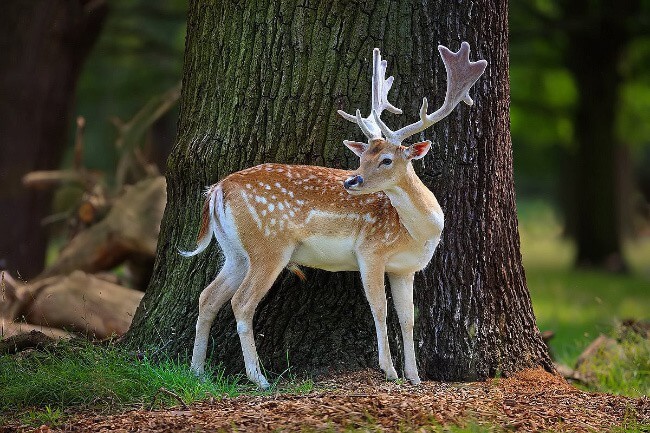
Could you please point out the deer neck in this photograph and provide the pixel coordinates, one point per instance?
(417, 207)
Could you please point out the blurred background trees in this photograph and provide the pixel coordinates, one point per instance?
(580, 111)
(43, 44)
(49, 73)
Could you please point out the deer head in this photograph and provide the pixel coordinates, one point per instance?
(384, 160)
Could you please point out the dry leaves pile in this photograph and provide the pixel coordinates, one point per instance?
(531, 401)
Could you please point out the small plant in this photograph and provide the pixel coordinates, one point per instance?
(48, 416)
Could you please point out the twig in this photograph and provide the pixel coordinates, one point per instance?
(169, 393)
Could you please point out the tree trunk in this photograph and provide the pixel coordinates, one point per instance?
(262, 84)
(43, 45)
(596, 41)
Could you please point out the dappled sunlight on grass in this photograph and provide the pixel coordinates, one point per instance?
(578, 304)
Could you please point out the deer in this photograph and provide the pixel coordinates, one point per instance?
(379, 219)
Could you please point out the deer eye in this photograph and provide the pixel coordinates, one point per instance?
(386, 161)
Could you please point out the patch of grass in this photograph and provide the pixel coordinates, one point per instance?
(82, 375)
(577, 304)
(622, 369)
(580, 305)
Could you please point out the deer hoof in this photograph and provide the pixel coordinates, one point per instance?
(414, 380)
(391, 374)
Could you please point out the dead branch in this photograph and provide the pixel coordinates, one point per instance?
(131, 134)
(130, 229)
(172, 394)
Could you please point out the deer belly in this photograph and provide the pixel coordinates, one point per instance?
(328, 253)
(413, 259)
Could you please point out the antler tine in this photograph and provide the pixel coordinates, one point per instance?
(461, 76)
(379, 99)
(391, 135)
(364, 126)
(381, 86)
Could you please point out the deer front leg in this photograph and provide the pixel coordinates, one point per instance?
(372, 276)
(401, 287)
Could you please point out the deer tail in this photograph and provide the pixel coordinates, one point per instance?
(214, 200)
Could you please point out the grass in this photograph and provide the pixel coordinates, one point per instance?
(623, 369)
(40, 385)
(578, 304)
(83, 375)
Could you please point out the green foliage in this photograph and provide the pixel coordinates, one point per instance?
(544, 93)
(84, 375)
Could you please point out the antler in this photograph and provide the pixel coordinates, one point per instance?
(461, 76)
(380, 88)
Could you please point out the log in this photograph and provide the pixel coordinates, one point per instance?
(129, 230)
(84, 304)
(19, 332)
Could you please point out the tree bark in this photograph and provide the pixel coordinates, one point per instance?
(43, 45)
(262, 83)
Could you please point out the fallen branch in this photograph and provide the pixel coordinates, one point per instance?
(172, 394)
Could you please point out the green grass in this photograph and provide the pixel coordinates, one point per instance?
(624, 369)
(79, 374)
(37, 387)
(48, 416)
(577, 304)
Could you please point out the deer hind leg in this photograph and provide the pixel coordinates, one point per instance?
(259, 279)
(212, 298)
(373, 285)
(401, 287)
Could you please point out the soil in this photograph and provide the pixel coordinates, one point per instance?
(530, 401)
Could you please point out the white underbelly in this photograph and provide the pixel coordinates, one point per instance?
(413, 259)
(328, 253)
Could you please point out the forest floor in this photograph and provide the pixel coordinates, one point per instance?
(532, 400)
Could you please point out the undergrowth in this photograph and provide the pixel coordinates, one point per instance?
(37, 386)
(623, 368)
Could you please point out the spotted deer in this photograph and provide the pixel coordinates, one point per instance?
(379, 219)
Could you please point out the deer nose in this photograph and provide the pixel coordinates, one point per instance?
(353, 181)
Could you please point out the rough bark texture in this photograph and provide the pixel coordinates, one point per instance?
(261, 84)
(43, 45)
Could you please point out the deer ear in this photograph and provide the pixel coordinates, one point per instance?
(418, 150)
(356, 147)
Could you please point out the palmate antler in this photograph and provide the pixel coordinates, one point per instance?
(380, 88)
(461, 76)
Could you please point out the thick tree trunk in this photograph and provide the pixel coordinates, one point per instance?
(263, 83)
(43, 45)
(597, 40)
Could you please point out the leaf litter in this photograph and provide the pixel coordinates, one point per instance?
(530, 401)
